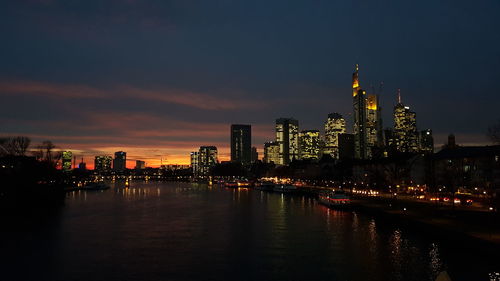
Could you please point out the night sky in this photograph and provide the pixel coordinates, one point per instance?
(160, 78)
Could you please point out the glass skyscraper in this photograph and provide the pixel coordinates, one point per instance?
(287, 137)
(241, 144)
(334, 126)
(309, 144)
(120, 161)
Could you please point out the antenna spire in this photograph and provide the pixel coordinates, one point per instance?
(399, 95)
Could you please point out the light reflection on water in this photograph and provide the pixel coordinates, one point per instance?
(395, 246)
(435, 263)
(372, 231)
(182, 231)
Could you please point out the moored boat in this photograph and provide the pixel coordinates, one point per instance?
(95, 186)
(335, 199)
(231, 184)
(284, 188)
(236, 184)
(265, 186)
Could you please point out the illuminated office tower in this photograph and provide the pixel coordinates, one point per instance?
(334, 126)
(426, 141)
(359, 126)
(373, 124)
(271, 152)
(102, 163)
(120, 161)
(67, 156)
(207, 159)
(309, 144)
(241, 144)
(405, 135)
(287, 136)
(194, 162)
(367, 120)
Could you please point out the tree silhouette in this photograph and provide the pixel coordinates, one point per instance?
(45, 153)
(14, 146)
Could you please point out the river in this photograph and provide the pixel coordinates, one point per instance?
(185, 231)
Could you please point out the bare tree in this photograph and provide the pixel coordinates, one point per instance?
(494, 132)
(14, 146)
(21, 145)
(3, 149)
(398, 168)
(45, 152)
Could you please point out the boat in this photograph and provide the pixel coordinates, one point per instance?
(237, 183)
(285, 188)
(265, 186)
(243, 183)
(232, 184)
(336, 199)
(95, 186)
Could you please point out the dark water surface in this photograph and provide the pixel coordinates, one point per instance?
(182, 231)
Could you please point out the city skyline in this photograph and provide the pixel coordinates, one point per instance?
(250, 140)
(91, 89)
(225, 156)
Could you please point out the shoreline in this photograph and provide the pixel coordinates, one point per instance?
(456, 226)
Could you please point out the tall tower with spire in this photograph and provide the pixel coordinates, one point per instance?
(359, 104)
(367, 120)
(355, 81)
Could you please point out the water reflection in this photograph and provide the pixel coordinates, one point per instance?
(435, 263)
(372, 232)
(183, 231)
(395, 243)
(355, 222)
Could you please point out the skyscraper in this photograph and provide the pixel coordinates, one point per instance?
(346, 146)
(405, 135)
(309, 144)
(287, 136)
(334, 125)
(67, 156)
(102, 163)
(426, 141)
(271, 152)
(207, 159)
(255, 154)
(120, 161)
(359, 128)
(241, 143)
(367, 120)
(195, 162)
(140, 165)
(373, 124)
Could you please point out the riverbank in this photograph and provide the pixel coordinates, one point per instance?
(479, 226)
(457, 221)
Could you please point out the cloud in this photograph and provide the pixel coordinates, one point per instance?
(162, 95)
(187, 98)
(51, 90)
(139, 134)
